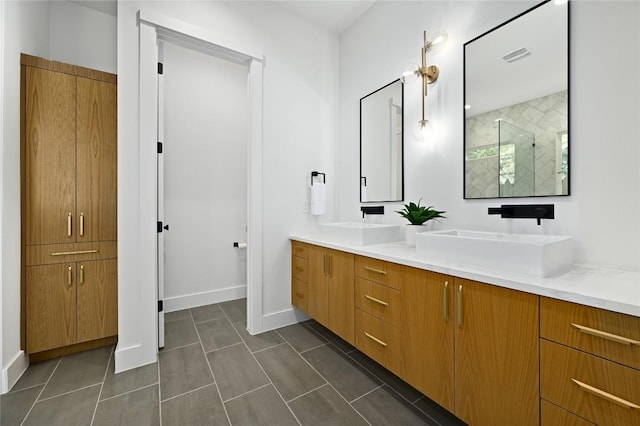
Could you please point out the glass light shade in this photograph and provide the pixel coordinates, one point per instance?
(423, 130)
(438, 40)
(411, 74)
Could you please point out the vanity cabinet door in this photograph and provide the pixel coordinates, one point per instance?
(341, 294)
(317, 286)
(496, 355)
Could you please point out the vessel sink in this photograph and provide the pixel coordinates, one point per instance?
(360, 234)
(537, 255)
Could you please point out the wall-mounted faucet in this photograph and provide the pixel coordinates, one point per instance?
(371, 210)
(524, 211)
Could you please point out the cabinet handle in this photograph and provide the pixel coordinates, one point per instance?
(445, 302)
(325, 264)
(460, 314)
(82, 274)
(605, 395)
(69, 223)
(81, 224)
(376, 300)
(69, 277)
(377, 271)
(330, 265)
(605, 335)
(68, 253)
(380, 342)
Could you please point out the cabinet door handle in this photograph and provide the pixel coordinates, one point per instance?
(460, 314)
(605, 395)
(69, 223)
(376, 271)
(445, 302)
(605, 335)
(325, 264)
(69, 277)
(81, 274)
(378, 341)
(330, 264)
(81, 224)
(376, 300)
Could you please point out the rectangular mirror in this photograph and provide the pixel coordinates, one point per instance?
(381, 144)
(516, 100)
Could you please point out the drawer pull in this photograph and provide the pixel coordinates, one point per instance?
(375, 339)
(68, 253)
(605, 335)
(605, 395)
(376, 300)
(377, 271)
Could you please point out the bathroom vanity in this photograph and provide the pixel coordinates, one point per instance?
(493, 348)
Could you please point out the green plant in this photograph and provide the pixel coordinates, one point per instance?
(417, 214)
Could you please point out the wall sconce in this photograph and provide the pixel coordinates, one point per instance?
(429, 74)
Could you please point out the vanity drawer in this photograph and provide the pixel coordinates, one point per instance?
(299, 249)
(552, 415)
(299, 294)
(604, 333)
(595, 389)
(299, 267)
(379, 271)
(379, 340)
(378, 300)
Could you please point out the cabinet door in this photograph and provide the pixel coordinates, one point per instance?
(97, 161)
(317, 288)
(427, 333)
(49, 156)
(51, 306)
(496, 355)
(341, 295)
(97, 299)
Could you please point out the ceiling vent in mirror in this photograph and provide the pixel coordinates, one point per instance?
(516, 54)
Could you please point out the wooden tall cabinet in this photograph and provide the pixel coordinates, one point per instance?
(69, 205)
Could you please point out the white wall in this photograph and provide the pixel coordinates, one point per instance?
(299, 101)
(205, 178)
(602, 212)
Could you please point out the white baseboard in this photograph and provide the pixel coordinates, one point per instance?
(194, 300)
(282, 319)
(133, 357)
(14, 371)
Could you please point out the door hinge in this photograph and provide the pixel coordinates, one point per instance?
(160, 68)
(160, 306)
(159, 226)
(160, 147)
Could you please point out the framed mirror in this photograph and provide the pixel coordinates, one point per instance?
(381, 144)
(516, 100)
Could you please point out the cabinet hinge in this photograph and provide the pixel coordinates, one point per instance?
(159, 226)
(160, 68)
(160, 147)
(160, 306)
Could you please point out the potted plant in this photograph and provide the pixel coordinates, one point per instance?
(417, 216)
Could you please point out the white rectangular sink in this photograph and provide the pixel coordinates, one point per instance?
(537, 255)
(360, 234)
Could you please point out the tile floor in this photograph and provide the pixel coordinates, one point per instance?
(212, 372)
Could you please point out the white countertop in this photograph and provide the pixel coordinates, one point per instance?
(601, 287)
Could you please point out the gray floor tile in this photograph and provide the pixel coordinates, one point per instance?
(127, 381)
(206, 313)
(200, 407)
(236, 371)
(138, 408)
(236, 310)
(437, 413)
(261, 407)
(77, 371)
(390, 379)
(290, 374)
(178, 333)
(344, 374)
(325, 406)
(385, 407)
(75, 408)
(331, 337)
(14, 406)
(182, 370)
(37, 374)
(300, 337)
(259, 341)
(177, 315)
(216, 334)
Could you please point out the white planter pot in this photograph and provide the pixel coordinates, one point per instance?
(410, 233)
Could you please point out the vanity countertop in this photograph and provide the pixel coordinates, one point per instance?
(615, 290)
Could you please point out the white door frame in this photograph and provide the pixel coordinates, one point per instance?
(155, 27)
